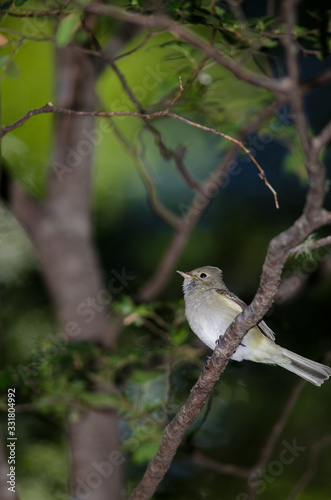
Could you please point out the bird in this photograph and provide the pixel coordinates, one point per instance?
(210, 308)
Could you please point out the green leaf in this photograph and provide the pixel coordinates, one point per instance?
(268, 42)
(145, 452)
(101, 400)
(143, 376)
(297, 30)
(293, 163)
(13, 70)
(18, 3)
(180, 336)
(125, 306)
(49, 405)
(5, 379)
(3, 60)
(67, 28)
(303, 250)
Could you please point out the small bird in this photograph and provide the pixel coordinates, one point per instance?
(210, 308)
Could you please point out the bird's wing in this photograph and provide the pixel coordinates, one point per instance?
(238, 305)
(267, 332)
(233, 302)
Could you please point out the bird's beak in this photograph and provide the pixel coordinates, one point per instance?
(185, 275)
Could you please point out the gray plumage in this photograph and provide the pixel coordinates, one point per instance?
(210, 308)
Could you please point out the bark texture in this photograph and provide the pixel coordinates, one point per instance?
(60, 229)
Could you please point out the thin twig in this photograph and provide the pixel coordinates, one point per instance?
(160, 21)
(168, 111)
(308, 247)
(314, 216)
(49, 108)
(32, 13)
(295, 92)
(26, 37)
(135, 49)
(10, 59)
(231, 139)
(167, 153)
(279, 425)
(271, 441)
(315, 170)
(177, 96)
(320, 141)
(310, 473)
(152, 196)
(191, 218)
(231, 469)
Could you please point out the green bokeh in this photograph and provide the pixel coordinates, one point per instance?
(154, 373)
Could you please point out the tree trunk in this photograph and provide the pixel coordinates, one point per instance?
(60, 229)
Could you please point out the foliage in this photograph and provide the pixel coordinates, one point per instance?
(157, 359)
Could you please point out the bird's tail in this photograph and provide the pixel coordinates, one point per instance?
(314, 372)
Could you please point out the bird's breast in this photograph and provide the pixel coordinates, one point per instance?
(208, 319)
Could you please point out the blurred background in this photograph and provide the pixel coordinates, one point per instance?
(149, 358)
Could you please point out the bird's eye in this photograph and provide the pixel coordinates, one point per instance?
(203, 275)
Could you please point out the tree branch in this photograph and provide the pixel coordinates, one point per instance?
(48, 108)
(275, 259)
(174, 432)
(313, 217)
(266, 452)
(167, 153)
(160, 21)
(235, 141)
(308, 247)
(230, 469)
(315, 170)
(166, 215)
(270, 443)
(192, 216)
(314, 454)
(31, 13)
(323, 138)
(60, 227)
